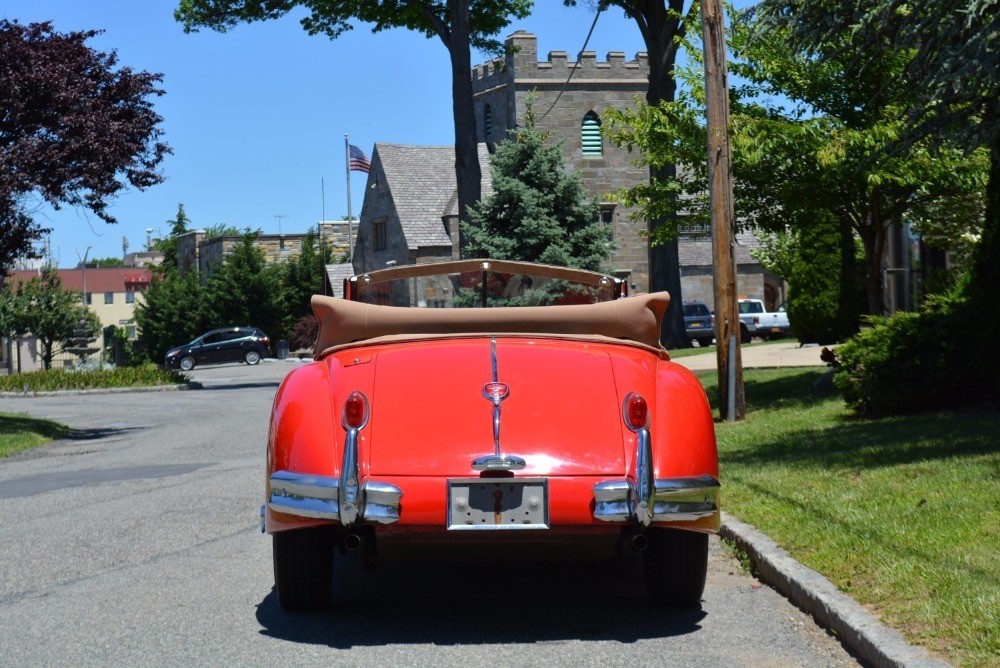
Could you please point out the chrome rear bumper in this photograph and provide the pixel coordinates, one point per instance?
(322, 497)
(672, 500)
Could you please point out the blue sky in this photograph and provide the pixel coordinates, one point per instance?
(256, 117)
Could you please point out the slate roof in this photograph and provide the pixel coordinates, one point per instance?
(336, 273)
(422, 182)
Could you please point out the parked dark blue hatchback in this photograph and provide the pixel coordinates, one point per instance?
(229, 344)
(699, 323)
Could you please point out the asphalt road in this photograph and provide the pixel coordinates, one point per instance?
(136, 542)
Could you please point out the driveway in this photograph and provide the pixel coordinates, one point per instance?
(780, 354)
(136, 542)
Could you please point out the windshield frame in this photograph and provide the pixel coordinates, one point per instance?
(617, 286)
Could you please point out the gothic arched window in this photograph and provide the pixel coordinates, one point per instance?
(590, 133)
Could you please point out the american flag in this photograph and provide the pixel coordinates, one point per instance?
(359, 161)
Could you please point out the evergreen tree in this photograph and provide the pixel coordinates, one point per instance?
(178, 226)
(245, 290)
(539, 211)
(171, 312)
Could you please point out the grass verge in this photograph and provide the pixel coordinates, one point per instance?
(49, 381)
(20, 432)
(902, 514)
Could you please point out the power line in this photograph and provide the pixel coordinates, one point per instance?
(600, 8)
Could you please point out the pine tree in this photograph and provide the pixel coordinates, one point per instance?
(539, 211)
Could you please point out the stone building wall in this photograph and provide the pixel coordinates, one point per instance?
(196, 251)
(594, 86)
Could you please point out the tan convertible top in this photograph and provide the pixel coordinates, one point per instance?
(635, 319)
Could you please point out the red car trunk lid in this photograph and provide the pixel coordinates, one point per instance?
(429, 415)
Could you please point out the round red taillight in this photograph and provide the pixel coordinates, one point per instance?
(636, 412)
(355, 411)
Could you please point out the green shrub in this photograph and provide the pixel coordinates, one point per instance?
(825, 299)
(911, 361)
(48, 381)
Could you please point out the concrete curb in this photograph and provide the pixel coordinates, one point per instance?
(104, 390)
(872, 641)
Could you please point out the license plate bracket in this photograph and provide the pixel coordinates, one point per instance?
(498, 504)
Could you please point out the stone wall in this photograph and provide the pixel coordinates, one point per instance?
(194, 251)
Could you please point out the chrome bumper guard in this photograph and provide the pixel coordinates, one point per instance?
(323, 497)
(672, 500)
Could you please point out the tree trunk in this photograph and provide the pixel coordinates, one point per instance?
(664, 259)
(873, 240)
(468, 174)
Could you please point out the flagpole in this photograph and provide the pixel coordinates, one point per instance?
(350, 219)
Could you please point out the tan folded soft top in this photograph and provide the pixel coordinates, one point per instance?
(633, 319)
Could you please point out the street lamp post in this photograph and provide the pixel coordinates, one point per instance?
(83, 263)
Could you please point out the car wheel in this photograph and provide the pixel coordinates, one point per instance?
(252, 357)
(705, 343)
(187, 363)
(744, 334)
(303, 567)
(676, 563)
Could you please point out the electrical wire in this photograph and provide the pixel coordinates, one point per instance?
(600, 8)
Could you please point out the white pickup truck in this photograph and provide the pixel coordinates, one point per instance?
(755, 320)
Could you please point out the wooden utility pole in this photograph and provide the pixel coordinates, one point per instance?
(720, 190)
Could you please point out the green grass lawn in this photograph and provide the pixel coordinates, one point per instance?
(20, 432)
(903, 514)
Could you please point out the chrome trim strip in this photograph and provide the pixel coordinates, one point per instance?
(675, 499)
(498, 462)
(644, 478)
(348, 489)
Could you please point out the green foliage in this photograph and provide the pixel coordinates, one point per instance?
(117, 338)
(538, 212)
(171, 312)
(221, 230)
(825, 302)
(304, 276)
(146, 375)
(42, 307)
(245, 290)
(107, 262)
(181, 224)
(910, 362)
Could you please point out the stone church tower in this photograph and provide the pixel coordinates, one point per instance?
(572, 112)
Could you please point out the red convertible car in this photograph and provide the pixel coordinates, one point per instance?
(490, 409)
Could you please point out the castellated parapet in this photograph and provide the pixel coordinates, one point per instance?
(561, 104)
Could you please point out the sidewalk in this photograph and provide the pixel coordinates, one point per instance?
(785, 353)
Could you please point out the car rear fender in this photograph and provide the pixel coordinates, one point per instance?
(306, 435)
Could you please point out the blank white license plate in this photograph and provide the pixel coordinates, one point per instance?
(490, 504)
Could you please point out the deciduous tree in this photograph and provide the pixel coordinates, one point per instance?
(75, 129)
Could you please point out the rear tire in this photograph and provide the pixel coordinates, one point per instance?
(745, 334)
(252, 357)
(303, 568)
(676, 563)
